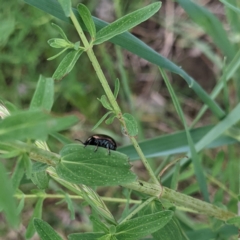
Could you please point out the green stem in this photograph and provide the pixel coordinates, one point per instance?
(196, 205)
(36, 153)
(151, 189)
(62, 196)
(109, 92)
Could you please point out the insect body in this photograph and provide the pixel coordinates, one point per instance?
(100, 140)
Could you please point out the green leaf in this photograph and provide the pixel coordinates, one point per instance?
(172, 230)
(87, 19)
(44, 94)
(117, 87)
(142, 226)
(85, 236)
(174, 143)
(127, 22)
(101, 120)
(67, 64)
(99, 224)
(96, 168)
(66, 7)
(105, 102)
(61, 32)
(41, 179)
(174, 182)
(37, 213)
(45, 231)
(7, 201)
(96, 202)
(58, 43)
(136, 46)
(32, 124)
(110, 119)
(18, 173)
(58, 54)
(234, 221)
(198, 169)
(20, 205)
(70, 206)
(61, 138)
(28, 165)
(131, 124)
(39, 167)
(210, 24)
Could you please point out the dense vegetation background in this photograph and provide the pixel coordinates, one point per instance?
(24, 31)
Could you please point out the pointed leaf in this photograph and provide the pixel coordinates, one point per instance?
(85, 236)
(44, 94)
(87, 19)
(45, 231)
(101, 120)
(127, 22)
(41, 179)
(96, 202)
(67, 64)
(101, 226)
(131, 124)
(105, 102)
(96, 168)
(110, 119)
(18, 173)
(58, 43)
(32, 124)
(61, 32)
(117, 87)
(7, 201)
(58, 54)
(142, 226)
(37, 213)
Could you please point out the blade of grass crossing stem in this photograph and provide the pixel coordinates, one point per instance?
(7, 202)
(136, 46)
(230, 70)
(194, 156)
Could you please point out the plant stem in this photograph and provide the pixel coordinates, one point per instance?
(62, 196)
(147, 188)
(109, 93)
(36, 153)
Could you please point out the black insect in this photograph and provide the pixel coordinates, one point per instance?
(100, 140)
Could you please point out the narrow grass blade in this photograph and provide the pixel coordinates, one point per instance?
(199, 172)
(210, 24)
(174, 143)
